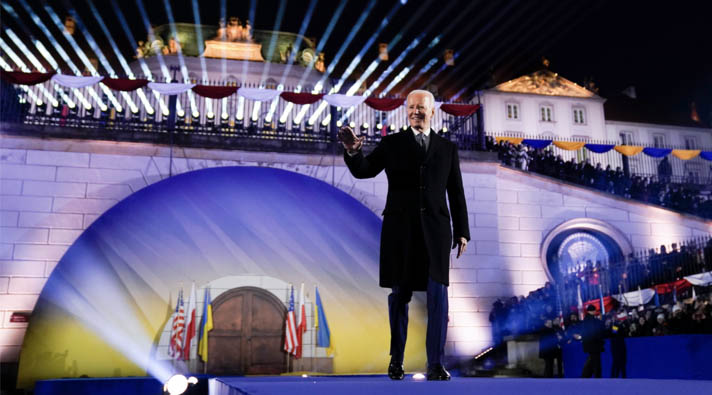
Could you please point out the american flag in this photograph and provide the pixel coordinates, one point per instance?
(175, 349)
(291, 343)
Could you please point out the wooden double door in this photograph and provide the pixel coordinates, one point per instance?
(248, 333)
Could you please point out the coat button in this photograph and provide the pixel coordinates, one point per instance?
(422, 209)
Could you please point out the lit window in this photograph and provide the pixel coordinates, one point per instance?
(658, 141)
(512, 111)
(546, 113)
(579, 116)
(690, 142)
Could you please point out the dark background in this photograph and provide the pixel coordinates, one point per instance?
(659, 47)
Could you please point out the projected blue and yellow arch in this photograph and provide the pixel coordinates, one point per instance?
(104, 305)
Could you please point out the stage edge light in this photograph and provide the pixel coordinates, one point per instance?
(177, 384)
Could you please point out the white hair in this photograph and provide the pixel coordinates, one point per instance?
(421, 91)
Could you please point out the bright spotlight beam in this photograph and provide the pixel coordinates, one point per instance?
(475, 39)
(31, 94)
(323, 40)
(102, 58)
(333, 63)
(201, 49)
(18, 61)
(273, 39)
(451, 25)
(298, 43)
(58, 23)
(60, 50)
(122, 61)
(181, 60)
(159, 55)
(144, 67)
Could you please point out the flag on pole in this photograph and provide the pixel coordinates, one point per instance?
(580, 302)
(657, 297)
(290, 331)
(190, 324)
(694, 296)
(175, 348)
(302, 319)
(600, 296)
(674, 294)
(206, 324)
(323, 335)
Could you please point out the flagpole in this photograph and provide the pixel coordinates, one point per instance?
(313, 347)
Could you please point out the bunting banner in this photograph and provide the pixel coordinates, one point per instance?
(599, 148)
(385, 104)
(636, 298)
(686, 154)
(301, 98)
(706, 155)
(569, 145)
(170, 88)
(678, 286)
(258, 94)
(124, 84)
(214, 91)
(344, 101)
(700, 279)
(22, 78)
(511, 140)
(609, 304)
(76, 81)
(537, 144)
(656, 152)
(460, 110)
(629, 150)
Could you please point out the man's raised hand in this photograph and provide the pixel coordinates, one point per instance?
(349, 139)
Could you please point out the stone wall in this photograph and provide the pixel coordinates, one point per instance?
(51, 190)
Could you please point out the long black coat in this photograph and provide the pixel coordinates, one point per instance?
(416, 207)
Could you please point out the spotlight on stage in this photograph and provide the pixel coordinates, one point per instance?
(405, 127)
(379, 126)
(392, 127)
(352, 125)
(177, 384)
(339, 124)
(364, 127)
(418, 376)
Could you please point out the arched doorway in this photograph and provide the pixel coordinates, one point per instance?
(247, 335)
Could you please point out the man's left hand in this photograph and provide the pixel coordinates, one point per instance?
(461, 246)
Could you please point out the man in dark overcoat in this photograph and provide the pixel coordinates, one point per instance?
(416, 237)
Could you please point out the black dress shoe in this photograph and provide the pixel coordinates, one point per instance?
(438, 373)
(395, 371)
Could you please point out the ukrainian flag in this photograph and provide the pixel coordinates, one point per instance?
(206, 324)
(323, 334)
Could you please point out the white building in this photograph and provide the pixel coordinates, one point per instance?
(545, 105)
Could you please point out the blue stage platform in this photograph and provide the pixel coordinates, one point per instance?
(347, 385)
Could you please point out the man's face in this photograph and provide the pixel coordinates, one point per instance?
(420, 111)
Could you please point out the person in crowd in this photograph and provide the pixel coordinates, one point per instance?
(617, 332)
(548, 346)
(592, 332)
(664, 170)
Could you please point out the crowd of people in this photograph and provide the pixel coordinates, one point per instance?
(642, 269)
(660, 190)
(538, 314)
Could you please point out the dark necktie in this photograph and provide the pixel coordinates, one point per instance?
(421, 144)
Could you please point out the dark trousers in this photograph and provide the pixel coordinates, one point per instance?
(549, 366)
(618, 365)
(592, 367)
(437, 321)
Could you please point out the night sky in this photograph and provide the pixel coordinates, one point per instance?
(660, 47)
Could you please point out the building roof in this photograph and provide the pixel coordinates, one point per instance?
(545, 82)
(625, 109)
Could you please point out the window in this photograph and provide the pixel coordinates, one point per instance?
(690, 142)
(546, 113)
(512, 111)
(626, 137)
(658, 141)
(579, 116)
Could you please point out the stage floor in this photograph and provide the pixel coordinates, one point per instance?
(380, 384)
